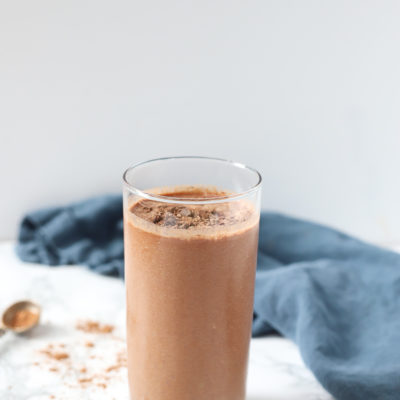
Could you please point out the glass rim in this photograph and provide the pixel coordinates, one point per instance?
(177, 200)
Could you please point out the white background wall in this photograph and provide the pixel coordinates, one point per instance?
(307, 92)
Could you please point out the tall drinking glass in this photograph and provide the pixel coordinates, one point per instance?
(191, 235)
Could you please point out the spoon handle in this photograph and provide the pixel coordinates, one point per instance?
(2, 332)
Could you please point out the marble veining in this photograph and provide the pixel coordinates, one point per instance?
(92, 370)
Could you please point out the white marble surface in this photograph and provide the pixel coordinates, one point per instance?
(70, 294)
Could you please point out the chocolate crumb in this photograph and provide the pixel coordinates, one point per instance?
(185, 212)
(193, 216)
(157, 218)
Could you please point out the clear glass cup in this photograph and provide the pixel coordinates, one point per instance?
(190, 236)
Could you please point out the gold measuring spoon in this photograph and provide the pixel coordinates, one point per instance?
(20, 317)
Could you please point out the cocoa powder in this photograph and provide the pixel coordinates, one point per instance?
(23, 318)
(55, 355)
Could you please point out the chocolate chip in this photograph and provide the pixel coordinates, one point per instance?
(157, 218)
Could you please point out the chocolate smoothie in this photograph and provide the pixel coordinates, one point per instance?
(189, 272)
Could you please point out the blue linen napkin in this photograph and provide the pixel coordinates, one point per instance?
(338, 298)
(89, 233)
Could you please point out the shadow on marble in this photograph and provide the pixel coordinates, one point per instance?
(5, 344)
(43, 331)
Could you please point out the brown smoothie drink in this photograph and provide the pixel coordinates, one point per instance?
(189, 272)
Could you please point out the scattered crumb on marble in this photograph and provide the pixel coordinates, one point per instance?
(98, 380)
(94, 327)
(121, 362)
(60, 358)
(112, 368)
(85, 380)
(55, 355)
